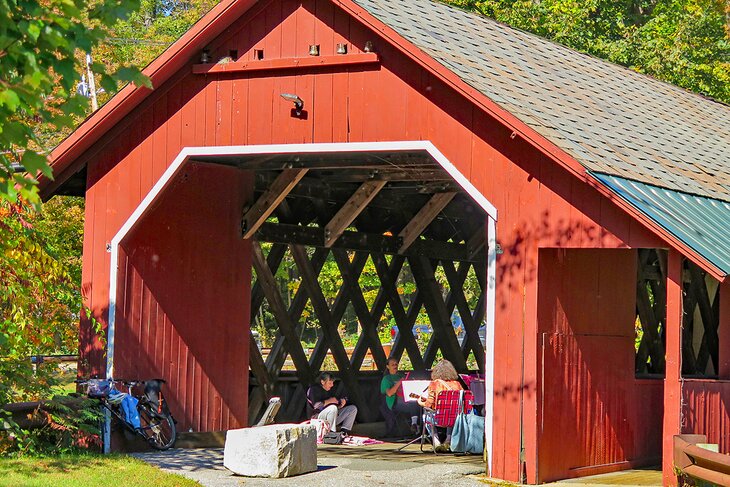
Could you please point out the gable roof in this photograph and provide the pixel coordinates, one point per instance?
(590, 115)
(609, 118)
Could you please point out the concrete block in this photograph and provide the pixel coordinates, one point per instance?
(275, 451)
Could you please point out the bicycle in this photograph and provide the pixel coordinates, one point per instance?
(156, 424)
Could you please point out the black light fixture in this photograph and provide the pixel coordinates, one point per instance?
(298, 103)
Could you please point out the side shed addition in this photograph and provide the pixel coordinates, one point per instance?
(590, 202)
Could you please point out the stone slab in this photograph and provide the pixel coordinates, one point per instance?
(274, 451)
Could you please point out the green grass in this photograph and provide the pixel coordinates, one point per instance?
(85, 471)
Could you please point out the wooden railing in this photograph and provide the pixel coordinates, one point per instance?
(701, 463)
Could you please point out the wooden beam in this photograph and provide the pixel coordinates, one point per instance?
(443, 332)
(471, 327)
(287, 63)
(423, 218)
(361, 241)
(326, 321)
(350, 210)
(476, 242)
(370, 325)
(277, 355)
(388, 275)
(268, 202)
(286, 326)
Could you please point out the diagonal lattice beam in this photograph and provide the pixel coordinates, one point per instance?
(369, 325)
(444, 335)
(456, 285)
(405, 336)
(329, 327)
(286, 326)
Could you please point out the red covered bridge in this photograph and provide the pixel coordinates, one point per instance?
(422, 136)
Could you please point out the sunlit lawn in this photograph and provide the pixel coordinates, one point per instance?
(85, 471)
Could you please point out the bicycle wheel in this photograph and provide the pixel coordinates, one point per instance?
(158, 429)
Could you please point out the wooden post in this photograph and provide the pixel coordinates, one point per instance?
(724, 330)
(673, 377)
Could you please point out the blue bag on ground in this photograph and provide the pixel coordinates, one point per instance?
(468, 433)
(129, 406)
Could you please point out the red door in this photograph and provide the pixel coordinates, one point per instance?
(594, 415)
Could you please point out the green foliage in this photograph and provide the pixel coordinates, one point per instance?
(684, 42)
(38, 305)
(39, 312)
(86, 471)
(63, 425)
(41, 50)
(150, 29)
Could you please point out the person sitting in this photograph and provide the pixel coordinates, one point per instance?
(323, 403)
(393, 404)
(443, 378)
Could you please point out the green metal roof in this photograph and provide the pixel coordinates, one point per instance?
(703, 224)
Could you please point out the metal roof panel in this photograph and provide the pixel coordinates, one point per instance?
(703, 224)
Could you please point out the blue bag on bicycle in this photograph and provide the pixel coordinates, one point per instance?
(129, 406)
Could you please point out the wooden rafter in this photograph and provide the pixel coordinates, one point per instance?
(267, 203)
(350, 210)
(423, 218)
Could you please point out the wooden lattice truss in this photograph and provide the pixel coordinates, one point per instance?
(700, 321)
(400, 210)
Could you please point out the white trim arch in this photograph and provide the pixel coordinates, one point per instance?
(192, 152)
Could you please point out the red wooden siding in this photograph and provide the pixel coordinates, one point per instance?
(184, 298)
(594, 415)
(706, 410)
(539, 204)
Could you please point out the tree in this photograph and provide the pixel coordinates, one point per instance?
(41, 51)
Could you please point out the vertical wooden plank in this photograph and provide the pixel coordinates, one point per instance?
(224, 103)
(724, 330)
(159, 139)
(341, 109)
(673, 368)
(174, 122)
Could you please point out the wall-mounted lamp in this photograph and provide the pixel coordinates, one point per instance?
(314, 50)
(298, 103)
(341, 48)
(205, 56)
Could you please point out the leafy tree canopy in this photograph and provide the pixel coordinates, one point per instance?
(41, 50)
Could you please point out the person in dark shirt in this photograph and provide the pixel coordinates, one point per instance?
(323, 403)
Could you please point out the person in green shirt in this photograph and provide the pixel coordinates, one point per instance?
(393, 404)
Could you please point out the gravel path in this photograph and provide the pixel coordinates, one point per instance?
(335, 469)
